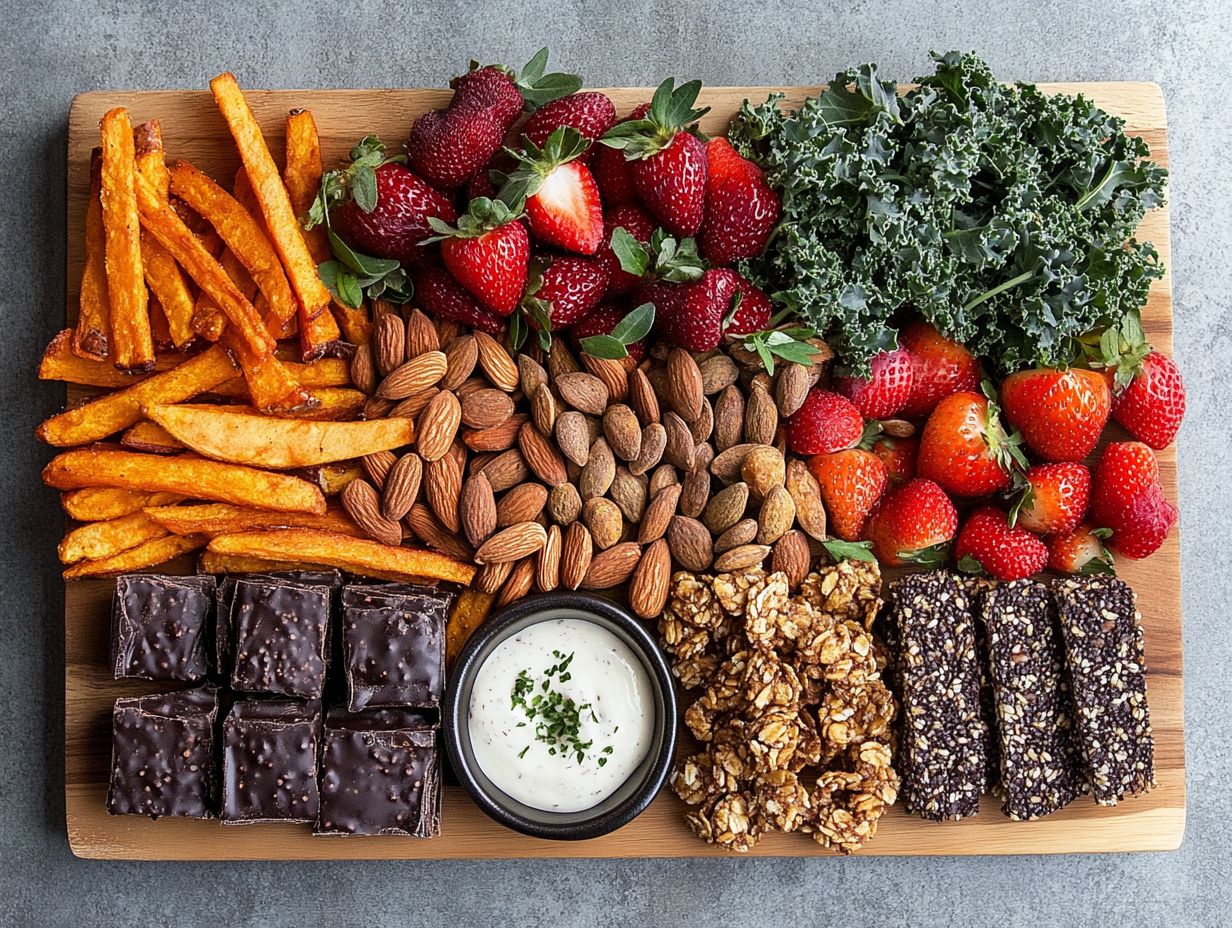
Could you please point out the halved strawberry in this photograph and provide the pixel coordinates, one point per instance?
(440, 295)
(939, 367)
(741, 208)
(886, 391)
(562, 201)
(487, 253)
(912, 524)
(851, 483)
(1053, 499)
(591, 113)
(987, 544)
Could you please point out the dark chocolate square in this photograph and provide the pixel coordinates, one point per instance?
(393, 645)
(159, 627)
(224, 644)
(269, 763)
(279, 629)
(380, 775)
(162, 754)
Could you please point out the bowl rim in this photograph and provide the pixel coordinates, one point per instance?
(455, 725)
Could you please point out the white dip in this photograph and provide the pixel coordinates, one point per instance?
(609, 721)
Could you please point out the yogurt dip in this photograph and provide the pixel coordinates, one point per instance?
(561, 714)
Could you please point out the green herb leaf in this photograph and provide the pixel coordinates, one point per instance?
(634, 259)
(841, 550)
(604, 346)
(636, 325)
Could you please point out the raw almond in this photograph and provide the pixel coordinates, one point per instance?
(377, 466)
(472, 384)
(377, 407)
(543, 408)
(897, 428)
(791, 555)
(512, 543)
(648, 586)
(663, 476)
(728, 418)
(460, 359)
(442, 487)
(521, 579)
(695, 492)
(629, 493)
(438, 424)
(741, 558)
(726, 508)
(413, 376)
(496, 363)
(658, 514)
(642, 397)
(491, 577)
(498, 438)
(402, 484)
(791, 388)
(576, 552)
(477, 511)
(363, 505)
(389, 341)
(561, 361)
(718, 373)
(541, 456)
(776, 517)
(613, 374)
(523, 503)
(506, 470)
(429, 530)
(564, 504)
(448, 329)
(599, 471)
(806, 494)
(623, 431)
(761, 418)
(603, 518)
(486, 409)
(612, 567)
(729, 462)
(584, 392)
(421, 336)
(690, 543)
(573, 436)
(684, 385)
(763, 469)
(547, 564)
(363, 370)
(531, 374)
(742, 533)
(654, 441)
(413, 405)
(678, 449)
(703, 426)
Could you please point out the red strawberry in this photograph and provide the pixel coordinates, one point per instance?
(964, 447)
(690, 315)
(398, 222)
(591, 113)
(939, 367)
(1054, 500)
(1124, 471)
(986, 542)
(440, 295)
(1081, 551)
(851, 483)
(668, 163)
(912, 524)
(1152, 405)
(502, 92)
(487, 253)
(637, 222)
(1141, 527)
(601, 322)
(740, 208)
(825, 423)
(886, 392)
(613, 176)
(449, 147)
(567, 288)
(754, 312)
(1060, 413)
(897, 454)
(562, 201)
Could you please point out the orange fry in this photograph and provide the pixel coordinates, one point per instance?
(153, 552)
(60, 363)
(96, 504)
(212, 563)
(93, 305)
(219, 518)
(333, 478)
(150, 437)
(468, 614)
(104, 539)
(131, 346)
(328, 372)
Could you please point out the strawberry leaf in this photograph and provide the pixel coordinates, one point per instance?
(633, 257)
(363, 188)
(538, 88)
(604, 346)
(849, 550)
(636, 325)
(785, 344)
(932, 556)
(341, 283)
(970, 565)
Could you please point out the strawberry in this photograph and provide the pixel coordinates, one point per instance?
(613, 176)
(912, 524)
(1054, 499)
(1152, 404)
(1143, 525)
(449, 147)
(380, 207)
(667, 162)
(740, 207)
(939, 367)
(637, 222)
(1060, 413)
(690, 315)
(753, 312)
(897, 454)
(562, 201)
(825, 423)
(1126, 497)
(987, 544)
(964, 447)
(503, 93)
(601, 322)
(851, 483)
(487, 253)
(591, 113)
(1081, 551)
(440, 295)
(886, 391)
(565, 288)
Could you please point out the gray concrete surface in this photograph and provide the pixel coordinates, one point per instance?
(51, 50)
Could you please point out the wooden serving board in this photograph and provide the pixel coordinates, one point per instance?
(194, 131)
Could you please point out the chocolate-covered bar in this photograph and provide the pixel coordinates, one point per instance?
(1035, 726)
(159, 627)
(162, 754)
(393, 645)
(224, 643)
(269, 761)
(942, 739)
(1107, 669)
(278, 628)
(380, 774)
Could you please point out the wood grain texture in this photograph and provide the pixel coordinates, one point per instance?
(193, 130)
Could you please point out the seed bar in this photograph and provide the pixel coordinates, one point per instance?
(1040, 771)
(976, 588)
(942, 734)
(1104, 654)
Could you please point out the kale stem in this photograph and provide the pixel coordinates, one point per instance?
(999, 289)
(1091, 194)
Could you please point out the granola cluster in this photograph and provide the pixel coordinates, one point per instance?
(792, 714)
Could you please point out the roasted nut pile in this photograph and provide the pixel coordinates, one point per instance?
(793, 717)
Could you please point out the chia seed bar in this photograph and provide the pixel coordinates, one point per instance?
(976, 589)
(1040, 773)
(942, 738)
(1104, 655)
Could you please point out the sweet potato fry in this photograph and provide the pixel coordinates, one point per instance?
(158, 551)
(358, 555)
(150, 437)
(97, 504)
(59, 362)
(131, 347)
(93, 306)
(95, 420)
(354, 324)
(335, 404)
(333, 478)
(271, 193)
(468, 614)
(95, 540)
(208, 320)
(328, 372)
(212, 563)
(245, 437)
(185, 475)
(220, 518)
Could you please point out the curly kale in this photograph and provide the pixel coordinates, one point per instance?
(1003, 215)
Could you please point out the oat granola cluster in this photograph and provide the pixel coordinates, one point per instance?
(793, 716)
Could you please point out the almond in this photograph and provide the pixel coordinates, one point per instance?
(600, 469)
(727, 465)
(897, 428)
(473, 384)
(791, 388)
(718, 373)
(561, 361)
(564, 504)
(702, 427)
(742, 533)
(506, 470)
(629, 493)
(547, 564)
(541, 456)
(726, 508)
(684, 385)
(377, 408)
(728, 418)
(663, 476)
(495, 361)
(658, 514)
(573, 436)
(763, 469)
(477, 513)
(806, 494)
(679, 447)
(654, 440)
(792, 557)
(402, 484)
(523, 503)
(438, 424)
(448, 329)
(603, 518)
(363, 505)
(516, 541)
(491, 577)
(648, 586)
(531, 374)
(413, 376)
(377, 466)
(761, 418)
(776, 517)
(521, 578)
(576, 551)
(695, 492)
(389, 343)
(612, 567)
(543, 409)
(498, 438)
(413, 405)
(642, 397)
(460, 359)
(690, 543)
(363, 370)
(741, 558)
(486, 409)
(613, 374)
(623, 431)
(421, 335)
(442, 483)
(584, 392)
(429, 530)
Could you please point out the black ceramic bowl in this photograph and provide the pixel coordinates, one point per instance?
(635, 794)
